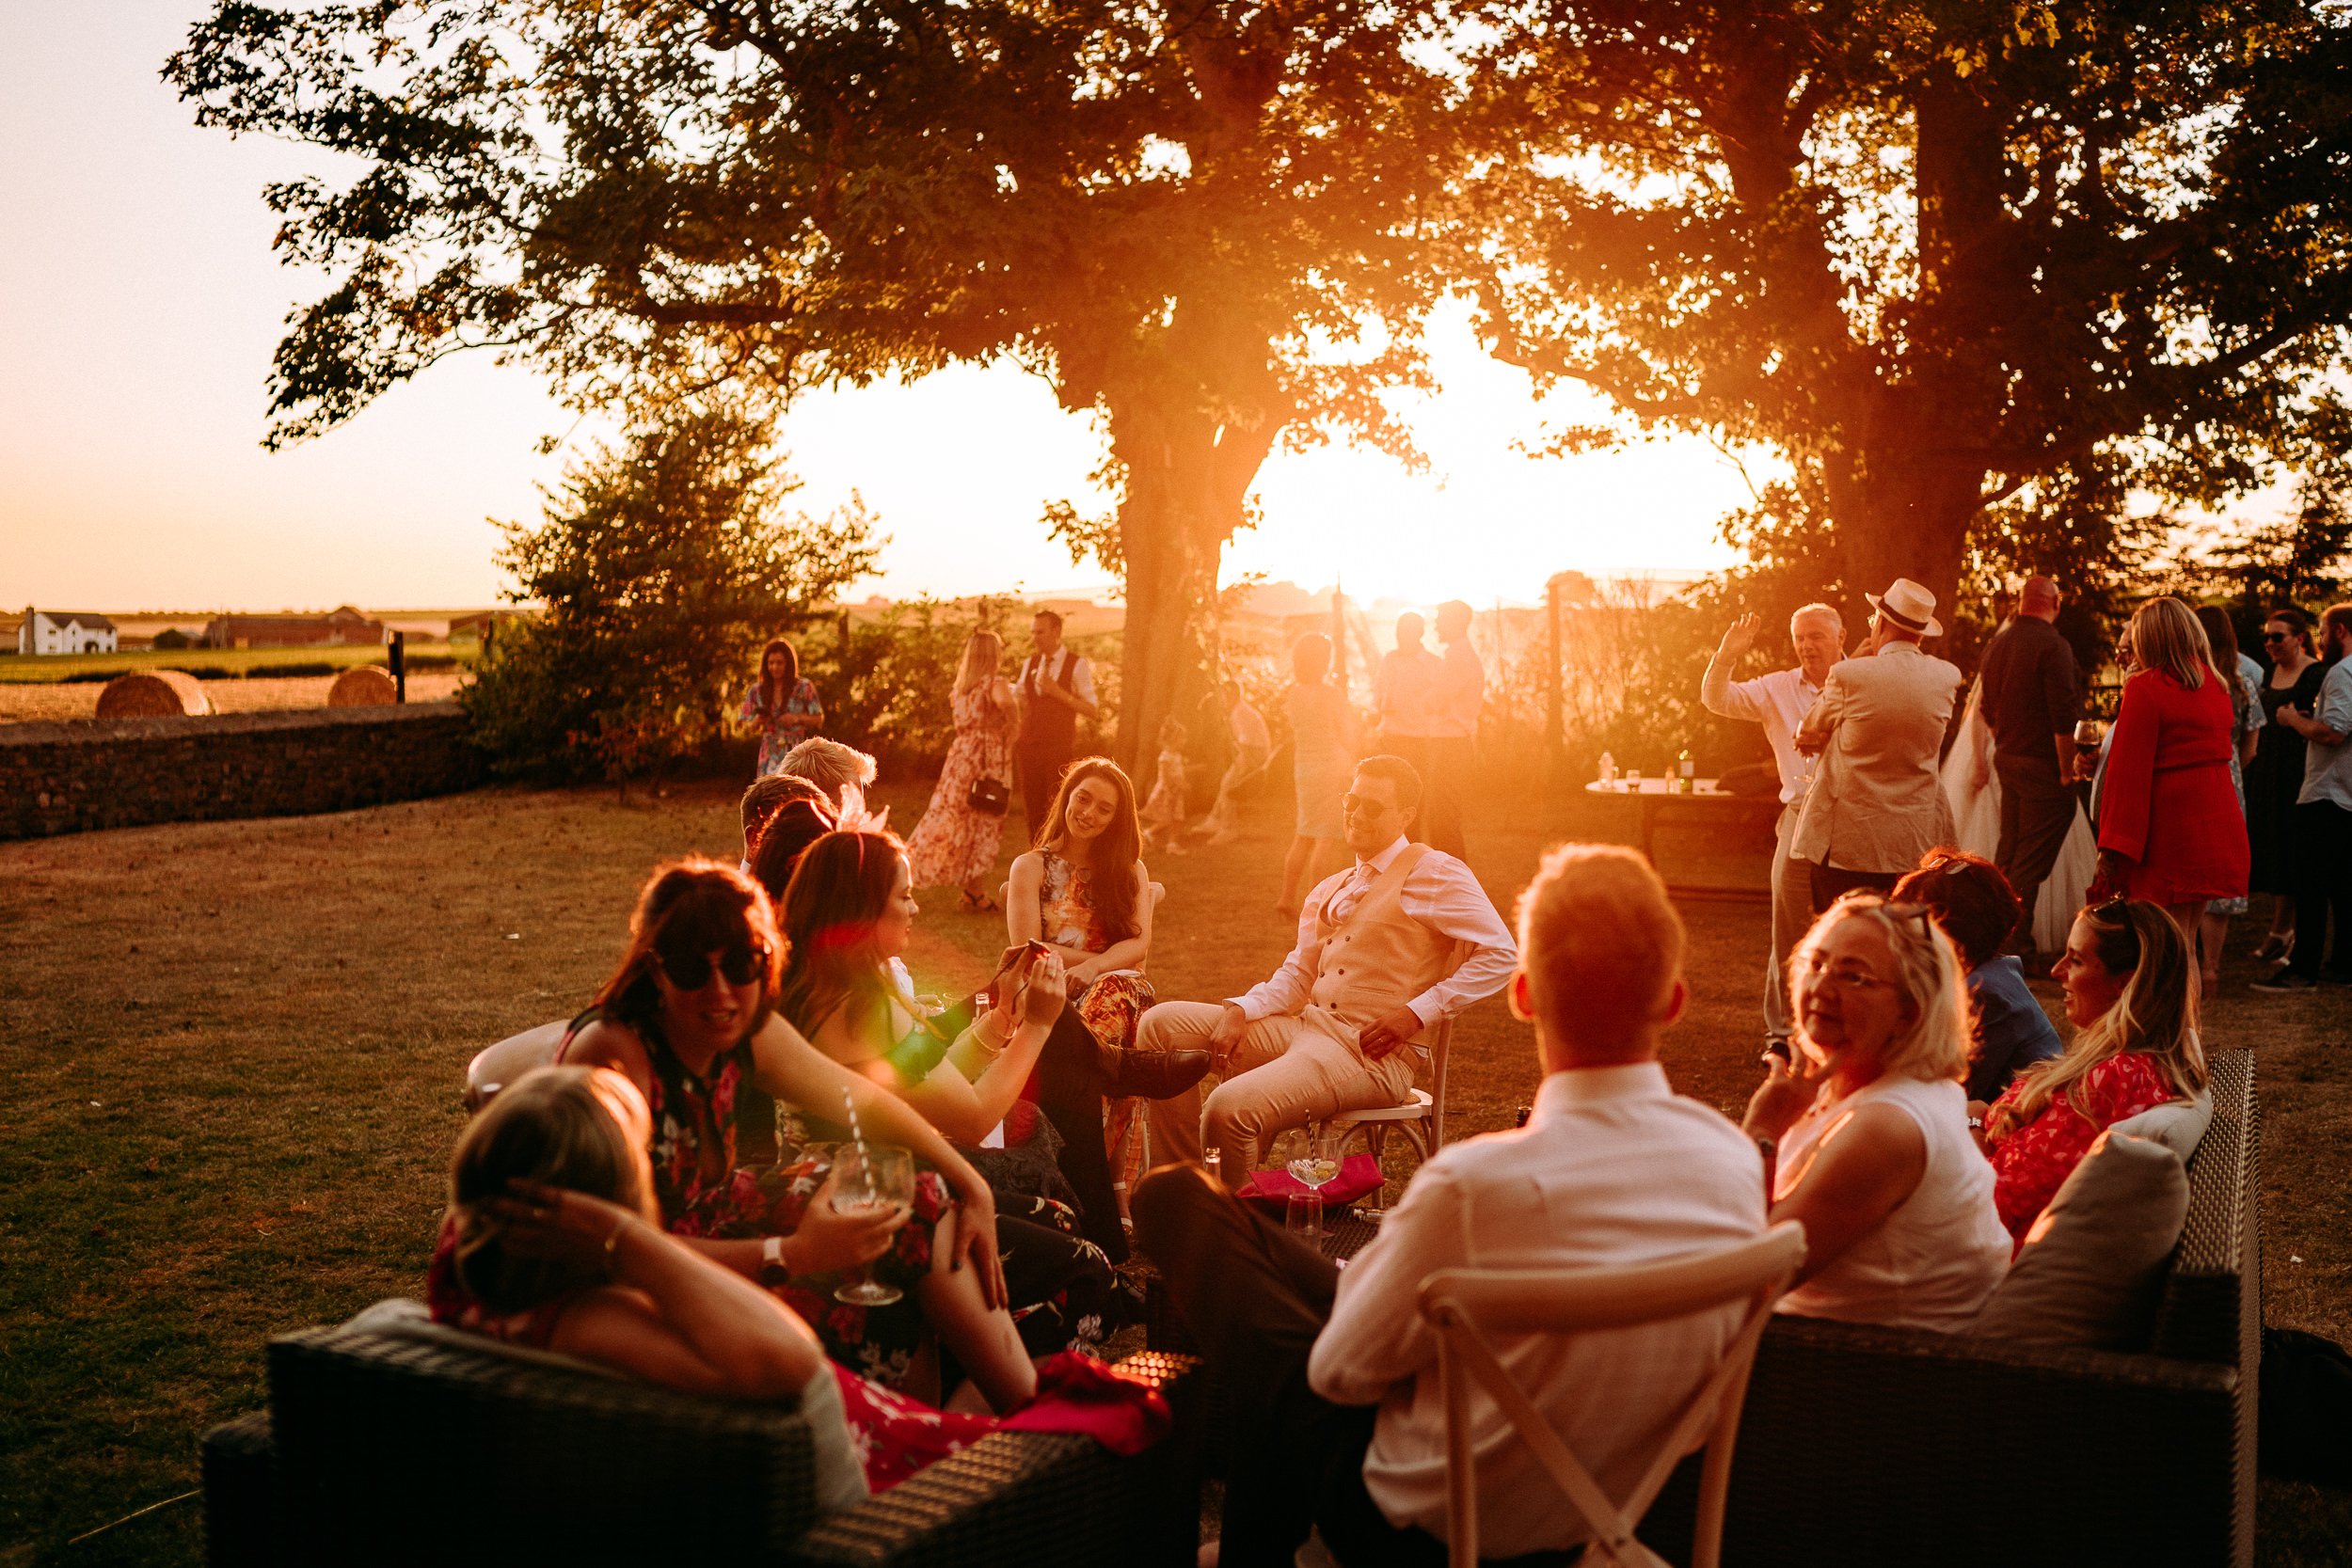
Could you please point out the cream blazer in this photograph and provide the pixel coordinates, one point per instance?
(1877, 802)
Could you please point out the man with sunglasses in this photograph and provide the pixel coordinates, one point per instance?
(1877, 731)
(1336, 1026)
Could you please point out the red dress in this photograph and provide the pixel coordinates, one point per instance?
(2167, 804)
(2033, 1163)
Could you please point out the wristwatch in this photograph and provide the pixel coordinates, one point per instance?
(772, 1259)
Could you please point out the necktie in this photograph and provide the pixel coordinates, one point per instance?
(1344, 902)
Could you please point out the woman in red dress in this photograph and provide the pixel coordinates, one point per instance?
(2170, 829)
(2131, 993)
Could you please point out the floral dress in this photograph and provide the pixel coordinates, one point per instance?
(2032, 1163)
(1111, 1008)
(954, 844)
(800, 716)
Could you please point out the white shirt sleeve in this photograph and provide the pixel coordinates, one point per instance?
(1375, 1338)
(1293, 986)
(1082, 678)
(1719, 693)
(1443, 894)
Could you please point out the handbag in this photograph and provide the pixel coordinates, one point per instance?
(991, 795)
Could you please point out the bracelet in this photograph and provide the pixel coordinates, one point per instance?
(771, 1256)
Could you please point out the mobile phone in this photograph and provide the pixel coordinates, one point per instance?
(1013, 955)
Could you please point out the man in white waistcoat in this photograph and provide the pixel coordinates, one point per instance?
(1340, 1026)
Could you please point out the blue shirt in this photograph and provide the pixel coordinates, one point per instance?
(2327, 770)
(2013, 1031)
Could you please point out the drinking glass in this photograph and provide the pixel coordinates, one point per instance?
(1310, 1155)
(1633, 780)
(1303, 1215)
(871, 1180)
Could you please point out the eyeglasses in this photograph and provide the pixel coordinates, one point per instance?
(2277, 636)
(1848, 976)
(1363, 804)
(741, 962)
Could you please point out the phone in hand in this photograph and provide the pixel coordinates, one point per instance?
(1013, 955)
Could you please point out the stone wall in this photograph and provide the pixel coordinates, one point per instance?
(126, 772)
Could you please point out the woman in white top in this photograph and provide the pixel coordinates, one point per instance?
(1876, 1158)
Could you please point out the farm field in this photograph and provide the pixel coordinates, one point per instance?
(24, 669)
(25, 703)
(236, 1049)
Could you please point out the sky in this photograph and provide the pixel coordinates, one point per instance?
(140, 303)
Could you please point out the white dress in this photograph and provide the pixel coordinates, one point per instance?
(1976, 816)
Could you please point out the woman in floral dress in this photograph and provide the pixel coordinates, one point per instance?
(1084, 890)
(782, 708)
(955, 844)
(2130, 992)
(689, 1018)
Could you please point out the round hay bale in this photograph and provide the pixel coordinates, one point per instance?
(365, 685)
(153, 694)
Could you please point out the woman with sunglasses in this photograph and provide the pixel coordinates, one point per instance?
(1874, 1151)
(2131, 993)
(689, 1018)
(848, 913)
(2276, 775)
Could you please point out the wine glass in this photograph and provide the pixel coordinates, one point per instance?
(1311, 1156)
(871, 1180)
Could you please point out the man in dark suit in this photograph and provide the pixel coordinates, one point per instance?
(2032, 696)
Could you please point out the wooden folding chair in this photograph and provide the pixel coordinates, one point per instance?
(1463, 1305)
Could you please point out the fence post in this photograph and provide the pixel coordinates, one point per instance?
(400, 667)
(1339, 640)
(845, 640)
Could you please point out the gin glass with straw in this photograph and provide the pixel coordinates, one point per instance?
(870, 1180)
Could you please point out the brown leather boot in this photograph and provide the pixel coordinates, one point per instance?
(1150, 1074)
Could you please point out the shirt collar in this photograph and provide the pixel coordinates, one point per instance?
(1571, 1087)
(1386, 858)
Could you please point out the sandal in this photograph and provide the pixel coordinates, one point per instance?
(2275, 948)
(976, 903)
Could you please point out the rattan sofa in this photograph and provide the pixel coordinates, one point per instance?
(1889, 1446)
(382, 1449)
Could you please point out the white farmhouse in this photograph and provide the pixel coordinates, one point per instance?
(65, 631)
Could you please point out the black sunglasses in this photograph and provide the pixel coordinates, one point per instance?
(740, 963)
(2276, 635)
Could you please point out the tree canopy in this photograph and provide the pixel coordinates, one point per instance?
(1979, 272)
(1208, 222)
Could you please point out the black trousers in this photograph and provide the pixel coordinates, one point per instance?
(2036, 814)
(1255, 1297)
(1040, 766)
(2321, 836)
(1831, 882)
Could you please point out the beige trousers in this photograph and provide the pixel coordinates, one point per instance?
(1284, 1073)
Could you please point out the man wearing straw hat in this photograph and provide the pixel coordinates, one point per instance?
(1876, 732)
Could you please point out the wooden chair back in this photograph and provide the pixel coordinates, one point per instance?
(1464, 1305)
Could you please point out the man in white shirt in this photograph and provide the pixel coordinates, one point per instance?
(1455, 698)
(1402, 689)
(1337, 1026)
(1612, 1169)
(1779, 703)
(1055, 689)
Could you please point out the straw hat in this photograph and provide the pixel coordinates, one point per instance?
(1909, 606)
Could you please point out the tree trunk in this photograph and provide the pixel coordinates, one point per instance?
(1904, 515)
(1173, 544)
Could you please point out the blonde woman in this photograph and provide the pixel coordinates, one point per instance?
(1875, 1154)
(2170, 829)
(2130, 992)
(956, 843)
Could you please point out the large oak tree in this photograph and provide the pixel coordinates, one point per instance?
(1981, 272)
(1203, 221)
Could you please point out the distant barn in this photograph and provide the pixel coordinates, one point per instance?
(340, 625)
(65, 631)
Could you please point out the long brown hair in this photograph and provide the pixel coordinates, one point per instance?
(773, 692)
(830, 906)
(689, 908)
(548, 1126)
(2156, 1013)
(1116, 849)
(2222, 639)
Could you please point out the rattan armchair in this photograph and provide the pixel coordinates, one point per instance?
(380, 1450)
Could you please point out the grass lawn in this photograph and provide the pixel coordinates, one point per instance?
(210, 663)
(235, 1050)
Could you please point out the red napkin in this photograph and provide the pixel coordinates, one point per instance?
(1079, 1394)
(1358, 1177)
